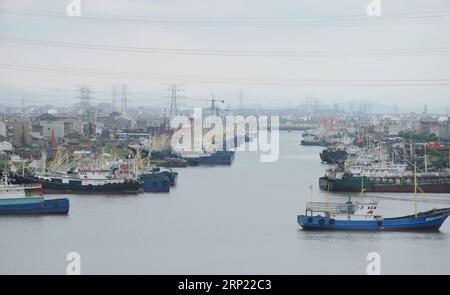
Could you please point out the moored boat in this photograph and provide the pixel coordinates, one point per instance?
(215, 158)
(333, 155)
(14, 200)
(402, 183)
(155, 182)
(89, 181)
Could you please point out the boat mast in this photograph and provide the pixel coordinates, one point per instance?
(425, 159)
(6, 172)
(362, 183)
(415, 189)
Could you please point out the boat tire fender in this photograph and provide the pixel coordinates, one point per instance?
(310, 220)
(322, 221)
(331, 221)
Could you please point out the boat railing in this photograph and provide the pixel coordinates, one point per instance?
(331, 208)
(29, 186)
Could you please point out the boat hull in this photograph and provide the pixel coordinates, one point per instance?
(427, 221)
(156, 186)
(218, 158)
(110, 188)
(355, 184)
(55, 206)
(158, 182)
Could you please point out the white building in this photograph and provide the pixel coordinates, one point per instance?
(52, 126)
(6, 146)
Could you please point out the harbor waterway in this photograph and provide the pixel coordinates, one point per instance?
(238, 219)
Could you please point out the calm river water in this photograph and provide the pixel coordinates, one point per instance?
(221, 220)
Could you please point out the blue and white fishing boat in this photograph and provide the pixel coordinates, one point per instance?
(350, 216)
(14, 200)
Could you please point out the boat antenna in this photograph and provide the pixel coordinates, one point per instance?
(6, 172)
(415, 189)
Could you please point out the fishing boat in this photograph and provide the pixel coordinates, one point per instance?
(15, 199)
(344, 216)
(88, 181)
(155, 182)
(313, 140)
(158, 180)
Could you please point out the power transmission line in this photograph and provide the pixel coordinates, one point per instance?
(222, 80)
(245, 53)
(253, 22)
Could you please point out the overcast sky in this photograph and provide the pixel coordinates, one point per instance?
(289, 45)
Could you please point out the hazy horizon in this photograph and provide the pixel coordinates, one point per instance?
(280, 54)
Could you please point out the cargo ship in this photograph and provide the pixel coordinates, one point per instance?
(173, 163)
(215, 158)
(88, 181)
(401, 182)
